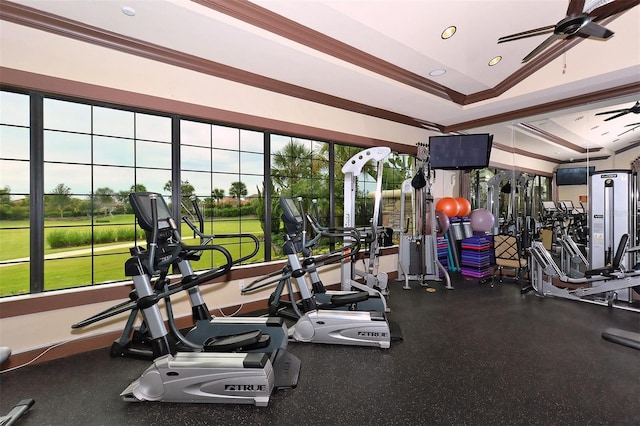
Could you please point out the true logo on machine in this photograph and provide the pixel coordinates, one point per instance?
(245, 388)
(371, 334)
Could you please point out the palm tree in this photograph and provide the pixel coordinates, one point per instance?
(238, 190)
(217, 194)
(291, 164)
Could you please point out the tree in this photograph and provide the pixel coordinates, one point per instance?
(5, 203)
(238, 190)
(5, 195)
(186, 189)
(60, 198)
(138, 187)
(291, 164)
(104, 199)
(217, 194)
(396, 170)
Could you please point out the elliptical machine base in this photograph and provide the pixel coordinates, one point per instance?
(343, 328)
(205, 377)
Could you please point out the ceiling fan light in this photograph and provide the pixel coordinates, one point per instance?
(448, 32)
(495, 60)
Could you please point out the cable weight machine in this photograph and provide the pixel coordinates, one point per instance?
(418, 250)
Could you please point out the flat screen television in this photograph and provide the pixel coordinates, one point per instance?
(574, 175)
(460, 152)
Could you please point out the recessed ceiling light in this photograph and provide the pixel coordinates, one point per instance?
(594, 127)
(448, 32)
(579, 118)
(605, 133)
(495, 60)
(616, 140)
(128, 10)
(437, 72)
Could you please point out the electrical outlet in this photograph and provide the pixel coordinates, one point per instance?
(241, 284)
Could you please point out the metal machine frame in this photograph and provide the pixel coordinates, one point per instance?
(613, 200)
(351, 171)
(600, 289)
(317, 322)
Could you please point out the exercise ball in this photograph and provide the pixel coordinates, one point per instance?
(481, 220)
(464, 206)
(442, 225)
(448, 206)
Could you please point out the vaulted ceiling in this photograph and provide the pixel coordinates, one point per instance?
(388, 58)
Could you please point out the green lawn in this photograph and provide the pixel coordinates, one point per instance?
(71, 267)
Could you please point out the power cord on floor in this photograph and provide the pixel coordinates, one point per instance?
(36, 358)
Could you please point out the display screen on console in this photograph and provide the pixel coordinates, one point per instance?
(290, 210)
(141, 204)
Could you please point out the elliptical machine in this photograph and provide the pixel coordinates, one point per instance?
(362, 298)
(240, 361)
(320, 322)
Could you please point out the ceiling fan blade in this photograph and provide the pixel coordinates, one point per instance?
(595, 30)
(542, 46)
(575, 7)
(631, 129)
(612, 111)
(612, 8)
(625, 112)
(525, 34)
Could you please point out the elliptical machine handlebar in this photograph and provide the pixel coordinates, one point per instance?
(205, 239)
(161, 266)
(318, 261)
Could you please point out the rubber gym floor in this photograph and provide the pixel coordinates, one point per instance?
(476, 355)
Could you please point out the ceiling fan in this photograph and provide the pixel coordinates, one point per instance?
(620, 112)
(576, 23)
(635, 126)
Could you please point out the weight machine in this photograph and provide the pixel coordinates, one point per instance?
(571, 257)
(613, 196)
(613, 222)
(349, 272)
(602, 286)
(519, 219)
(418, 251)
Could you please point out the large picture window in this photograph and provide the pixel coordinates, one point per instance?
(83, 159)
(93, 157)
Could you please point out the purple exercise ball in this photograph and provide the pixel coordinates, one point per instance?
(442, 225)
(481, 220)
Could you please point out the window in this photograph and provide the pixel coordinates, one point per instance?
(84, 159)
(14, 193)
(93, 157)
(224, 168)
